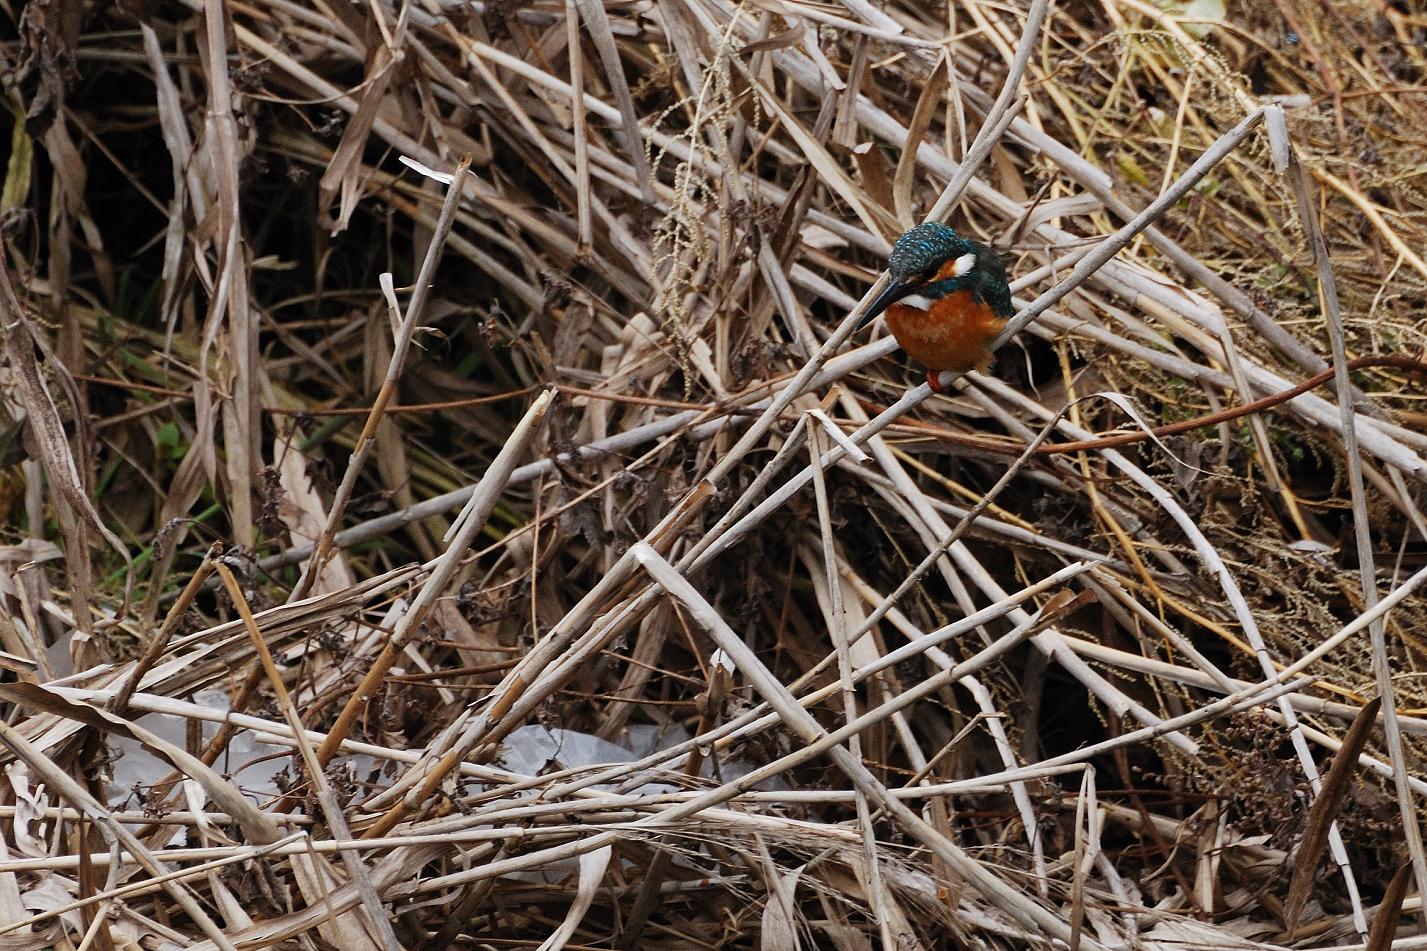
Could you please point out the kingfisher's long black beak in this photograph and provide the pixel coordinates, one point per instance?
(899, 287)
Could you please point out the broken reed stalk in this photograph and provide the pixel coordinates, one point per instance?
(473, 519)
(405, 334)
(331, 809)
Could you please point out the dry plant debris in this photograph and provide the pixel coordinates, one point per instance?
(511, 547)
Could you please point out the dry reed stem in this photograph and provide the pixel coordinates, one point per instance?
(1362, 533)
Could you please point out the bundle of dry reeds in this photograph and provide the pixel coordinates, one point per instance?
(447, 505)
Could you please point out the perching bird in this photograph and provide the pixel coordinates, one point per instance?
(965, 300)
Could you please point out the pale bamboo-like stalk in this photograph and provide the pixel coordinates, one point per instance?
(842, 648)
(1287, 162)
(65, 785)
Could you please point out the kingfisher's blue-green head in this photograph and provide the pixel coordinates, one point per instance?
(932, 260)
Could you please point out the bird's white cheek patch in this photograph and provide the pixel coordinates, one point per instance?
(917, 300)
(964, 264)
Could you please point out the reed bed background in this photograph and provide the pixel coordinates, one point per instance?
(523, 552)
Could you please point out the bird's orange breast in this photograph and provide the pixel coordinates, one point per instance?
(953, 334)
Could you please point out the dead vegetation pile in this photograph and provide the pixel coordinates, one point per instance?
(407, 554)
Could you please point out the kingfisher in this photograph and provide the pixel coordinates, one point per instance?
(958, 300)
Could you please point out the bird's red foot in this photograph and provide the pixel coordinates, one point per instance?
(934, 381)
